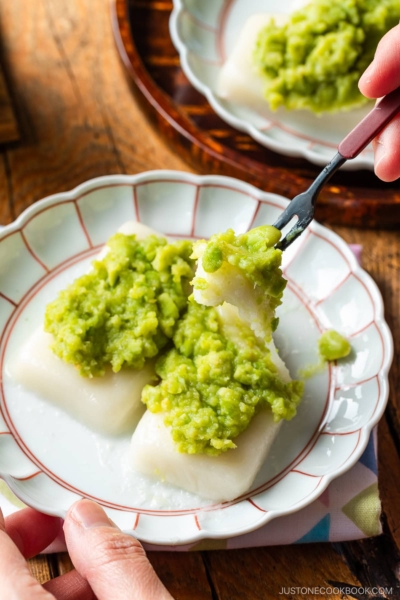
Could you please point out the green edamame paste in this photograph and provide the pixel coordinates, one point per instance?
(125, 309)
(332, 345)
(212, 386)
(314, 61)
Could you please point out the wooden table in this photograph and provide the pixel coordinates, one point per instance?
(78, 120)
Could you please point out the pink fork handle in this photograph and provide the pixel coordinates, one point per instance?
(371, 125)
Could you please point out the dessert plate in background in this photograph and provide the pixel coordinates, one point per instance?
(204, 33)
(50, 460)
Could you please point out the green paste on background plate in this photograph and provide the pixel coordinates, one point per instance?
(314, 61)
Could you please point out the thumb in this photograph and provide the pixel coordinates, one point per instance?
(114, 563)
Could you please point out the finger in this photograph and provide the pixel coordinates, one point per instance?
(114, 563)
(32, 531)
(70, 586)
(383, 74)
(16, 581)
(387, 152)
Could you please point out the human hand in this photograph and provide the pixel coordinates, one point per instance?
(109, 564)
(381, 77)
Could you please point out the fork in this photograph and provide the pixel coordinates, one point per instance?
(303, 205)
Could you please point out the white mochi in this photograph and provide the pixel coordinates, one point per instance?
(110, 404)
(239, 79)
(218, 478)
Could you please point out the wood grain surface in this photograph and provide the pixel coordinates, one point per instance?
(9, 131)
(186, 119)
(79, 120)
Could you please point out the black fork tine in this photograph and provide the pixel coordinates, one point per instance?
(303, 205)
(286, 216)
(294, 232)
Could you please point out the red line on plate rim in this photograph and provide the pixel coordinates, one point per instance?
(32, 253)
(297, 291)
(355, 333)
(82, 223)
(15, 304)
(339, 434)
(28, 477)
(302, 243)
(255, 215)
(251, 501)
(44, 209)
(303, 473)
(344, 387)
(194, 213)
(335, 289)
(325, 239)
(136, 203)
(136, 523)
(223, 186)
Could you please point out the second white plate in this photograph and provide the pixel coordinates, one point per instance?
(204, 33)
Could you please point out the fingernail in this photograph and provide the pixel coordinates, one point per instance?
(89, 515)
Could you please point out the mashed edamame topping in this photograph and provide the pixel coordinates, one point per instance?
(125, 309)
(211, 387)
(253, 253)
(332, 345)
(314, 61)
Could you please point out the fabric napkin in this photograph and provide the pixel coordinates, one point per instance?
(348, 509)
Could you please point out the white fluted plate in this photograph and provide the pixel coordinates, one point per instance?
(50, 460)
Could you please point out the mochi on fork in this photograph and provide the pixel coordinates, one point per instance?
(244, 271)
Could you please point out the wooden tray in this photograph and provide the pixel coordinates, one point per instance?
(191, 126)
